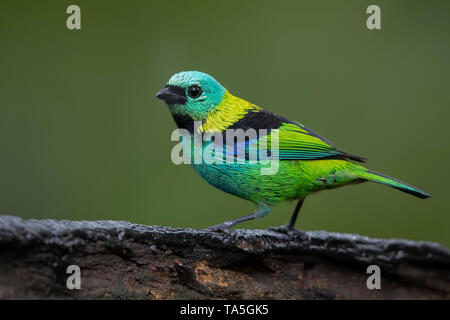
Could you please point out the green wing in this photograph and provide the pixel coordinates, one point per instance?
(296, 142)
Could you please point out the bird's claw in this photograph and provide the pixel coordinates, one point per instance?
(285, 229)
(289, 230)
(223, 227)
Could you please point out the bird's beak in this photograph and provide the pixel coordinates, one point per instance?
(172, 95)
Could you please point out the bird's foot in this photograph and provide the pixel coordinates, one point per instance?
(289, 230)
(285, 229)
(224, 227)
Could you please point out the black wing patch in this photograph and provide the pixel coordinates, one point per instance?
(268, 120)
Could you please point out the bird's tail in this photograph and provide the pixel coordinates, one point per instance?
(397, 184)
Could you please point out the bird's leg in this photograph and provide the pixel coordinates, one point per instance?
(289, 227)
(226, 225)
(262, 211)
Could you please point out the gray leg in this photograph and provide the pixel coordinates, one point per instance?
(262, 211)
(225, 226)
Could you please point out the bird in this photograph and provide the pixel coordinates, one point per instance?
(307, 163)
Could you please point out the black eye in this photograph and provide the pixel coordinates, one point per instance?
(195, 91)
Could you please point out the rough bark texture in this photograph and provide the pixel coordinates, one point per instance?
(120, 260)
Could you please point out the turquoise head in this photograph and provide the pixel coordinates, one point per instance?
(191, 95)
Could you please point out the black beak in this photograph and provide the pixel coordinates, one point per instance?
(172, 95)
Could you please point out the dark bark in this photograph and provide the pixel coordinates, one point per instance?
(121, 260)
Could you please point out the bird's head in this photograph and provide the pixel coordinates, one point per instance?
(192, 94)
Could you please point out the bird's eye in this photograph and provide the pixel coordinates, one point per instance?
(195, 91)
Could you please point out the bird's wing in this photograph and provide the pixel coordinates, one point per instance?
(295, 141)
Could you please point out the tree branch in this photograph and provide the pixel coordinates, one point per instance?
(121, 260)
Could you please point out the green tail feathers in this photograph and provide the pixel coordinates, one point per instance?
(397, 184)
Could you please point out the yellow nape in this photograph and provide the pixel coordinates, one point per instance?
(229, 111)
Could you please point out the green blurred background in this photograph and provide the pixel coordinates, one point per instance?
(83, 137)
